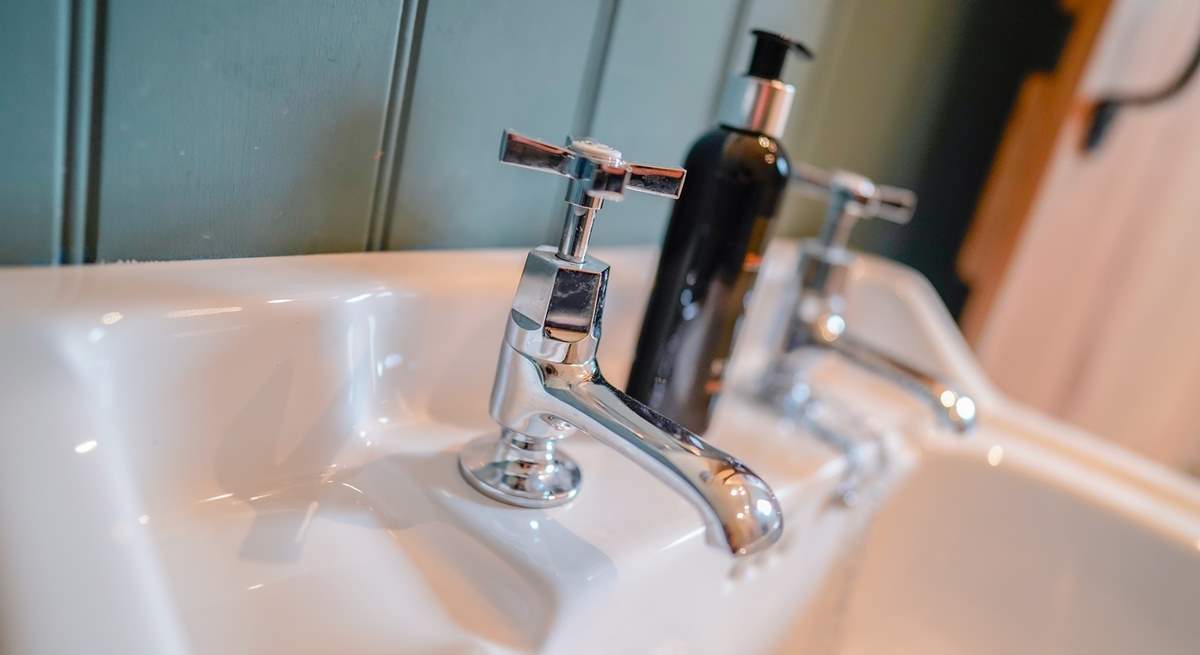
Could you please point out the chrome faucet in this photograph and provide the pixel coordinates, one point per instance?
(548, 384)
(816, 321)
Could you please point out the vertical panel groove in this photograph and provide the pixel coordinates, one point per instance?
(84, 118)
(79, 42)
(91, 228)
(486, 66)
(65, 36)
(589, 95)
(593, 74)
(399, 104)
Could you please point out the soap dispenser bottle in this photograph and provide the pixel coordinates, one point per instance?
(715, 240)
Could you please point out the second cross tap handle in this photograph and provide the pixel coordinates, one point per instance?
(850, 197)
(597, 172)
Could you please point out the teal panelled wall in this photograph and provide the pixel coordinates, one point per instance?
(236, 128)
(32, 105)
(169, 129)
(482, 67)
(656, 95)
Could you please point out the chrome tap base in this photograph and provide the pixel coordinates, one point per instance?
(520, 470)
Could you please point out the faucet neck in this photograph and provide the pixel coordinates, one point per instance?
(823, 269)
(577, 228)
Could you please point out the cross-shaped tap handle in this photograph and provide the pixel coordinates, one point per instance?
(597, 172)
(851, 197)
(601, 167)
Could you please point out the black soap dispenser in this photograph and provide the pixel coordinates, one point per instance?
(718, 231)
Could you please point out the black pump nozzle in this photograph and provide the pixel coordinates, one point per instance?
(770, 50)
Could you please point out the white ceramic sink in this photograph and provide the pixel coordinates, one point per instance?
(255, 456)
(971, 558)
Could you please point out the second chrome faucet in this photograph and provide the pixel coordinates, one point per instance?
(549, 386)
(816, 322)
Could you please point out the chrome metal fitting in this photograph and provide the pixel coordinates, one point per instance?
(816, 321)
(597, 172)
(757, 104)
(549, 386)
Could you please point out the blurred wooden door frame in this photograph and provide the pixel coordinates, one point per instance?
(1045, 102)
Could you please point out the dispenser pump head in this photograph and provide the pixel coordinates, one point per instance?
(770, 51)
(759, 101)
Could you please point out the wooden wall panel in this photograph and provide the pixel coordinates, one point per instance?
(657, 95)
(227, 128)
(1045, 103)
(33, 53)
(482, 67)
(1095, 295)
(235, 128)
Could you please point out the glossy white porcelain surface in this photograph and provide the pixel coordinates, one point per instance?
(999, 548)
(254, 456)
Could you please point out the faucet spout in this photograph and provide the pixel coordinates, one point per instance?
(739, 510)
(952, 408)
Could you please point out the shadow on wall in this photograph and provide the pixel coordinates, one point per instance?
(917, 94)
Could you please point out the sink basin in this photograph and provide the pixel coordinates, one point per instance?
(249, 456)
(1001, 547)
